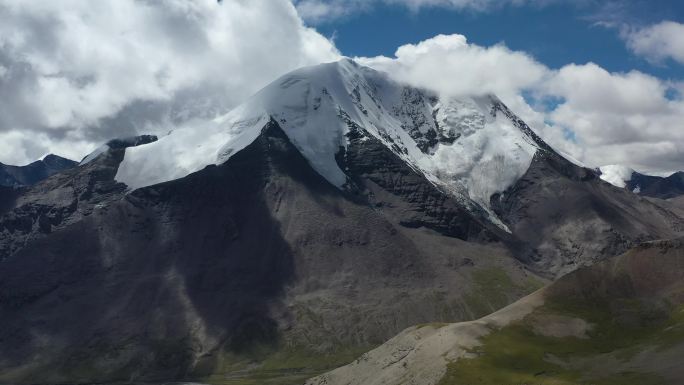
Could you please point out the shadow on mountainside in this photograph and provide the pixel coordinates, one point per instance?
(143, 287)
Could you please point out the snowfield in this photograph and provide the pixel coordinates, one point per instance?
(466, 146)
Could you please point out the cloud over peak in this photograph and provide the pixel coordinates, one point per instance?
(450, 65)
(74, 73)
(596, 116)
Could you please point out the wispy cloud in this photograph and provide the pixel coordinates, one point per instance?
(658, 42)
(321, 11)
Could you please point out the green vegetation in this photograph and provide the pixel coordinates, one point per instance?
(626, 325)
(530, 285)
(493, 289)
(517, 355)
(282, 367)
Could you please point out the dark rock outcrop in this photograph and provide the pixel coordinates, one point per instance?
(567, 217)
(260, 254)
(657, 187)
(16, 176)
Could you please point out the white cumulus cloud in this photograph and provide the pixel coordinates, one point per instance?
(451, 65)
(75, 73)
(592, 115)
(658, 42)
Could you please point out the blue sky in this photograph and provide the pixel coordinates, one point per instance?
(555, 34)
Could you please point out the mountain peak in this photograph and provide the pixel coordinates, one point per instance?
(57, 162)
(472, 147)
(119, 143)
(34, 172)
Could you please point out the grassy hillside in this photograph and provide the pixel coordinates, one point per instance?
(620, 322)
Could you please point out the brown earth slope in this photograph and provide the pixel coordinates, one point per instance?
(618, 322)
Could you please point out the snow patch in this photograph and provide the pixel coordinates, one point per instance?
(489, 155)
(93, 155)
(465, 146)
(189, 149)
(572, 159)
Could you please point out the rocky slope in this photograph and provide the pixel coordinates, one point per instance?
(258, 260)
(658, 187)
(330, 212)
(568, 217)
(16, 176)
(619, 321)
(472, 149)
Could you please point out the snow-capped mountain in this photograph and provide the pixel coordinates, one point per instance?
(333, 209)
(472, 147)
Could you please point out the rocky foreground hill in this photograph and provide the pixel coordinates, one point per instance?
(617, 322)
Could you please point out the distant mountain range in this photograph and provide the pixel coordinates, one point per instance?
(15, 176)
(646, 185)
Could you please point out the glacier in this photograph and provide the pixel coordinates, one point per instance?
(472, 147)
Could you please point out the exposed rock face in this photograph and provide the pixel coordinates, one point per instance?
(657, 187)
(119, 144)
(568, 217)
(425, 129)
(170, 280)
(32, 213)
(134, 141)
(386, 182)
(16, 176)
